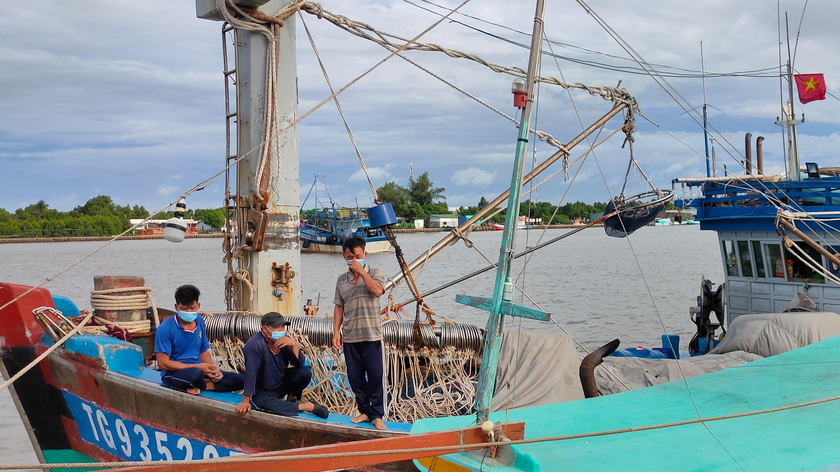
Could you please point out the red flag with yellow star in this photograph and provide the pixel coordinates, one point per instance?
(811, 87)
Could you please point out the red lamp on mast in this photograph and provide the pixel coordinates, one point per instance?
(520, 92)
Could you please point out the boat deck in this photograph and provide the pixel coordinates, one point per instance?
(124, 362)
(153, 376)
(803, 438)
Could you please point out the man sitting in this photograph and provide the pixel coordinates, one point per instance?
(273, 370)
(183, 352)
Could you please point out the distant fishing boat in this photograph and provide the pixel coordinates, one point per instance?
(324, 229)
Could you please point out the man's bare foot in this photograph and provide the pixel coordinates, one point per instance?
(209, 385)
(379, 424)
(361, 418)
(193, 391)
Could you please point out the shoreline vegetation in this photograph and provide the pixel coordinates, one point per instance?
(65, 239)
(100, 218)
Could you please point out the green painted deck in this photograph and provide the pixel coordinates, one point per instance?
(801, 439)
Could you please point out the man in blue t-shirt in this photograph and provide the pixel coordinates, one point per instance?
(183, 352)
(274, 372)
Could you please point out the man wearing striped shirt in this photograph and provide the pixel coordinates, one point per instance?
(357, 328)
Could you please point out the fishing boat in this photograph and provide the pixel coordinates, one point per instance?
(88, 398)
(325, 228)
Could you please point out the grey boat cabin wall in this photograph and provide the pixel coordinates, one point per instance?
(762, 276)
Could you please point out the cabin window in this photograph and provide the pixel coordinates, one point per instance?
(729, 258)
(746, 258)
(798, 270)
(760, 270)
(773, 253)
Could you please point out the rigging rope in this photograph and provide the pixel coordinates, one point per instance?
(45, 354)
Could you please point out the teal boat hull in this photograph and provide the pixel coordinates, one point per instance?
(805, 438)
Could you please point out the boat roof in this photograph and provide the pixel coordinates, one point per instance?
(803, 438)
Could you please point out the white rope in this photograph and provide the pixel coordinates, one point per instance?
(46, 353)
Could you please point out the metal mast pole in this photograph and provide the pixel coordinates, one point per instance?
(270, 231)
(793, 153)
(503, 289)
(709, 169)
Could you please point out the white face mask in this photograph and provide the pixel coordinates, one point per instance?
(360, 261)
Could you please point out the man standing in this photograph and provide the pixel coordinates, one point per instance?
(356, 315)
(183, 352)
(273, 370)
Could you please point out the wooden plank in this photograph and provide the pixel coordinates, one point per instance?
(466, 437)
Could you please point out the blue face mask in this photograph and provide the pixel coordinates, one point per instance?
(360, 261)
(275, 335)
(187, 316)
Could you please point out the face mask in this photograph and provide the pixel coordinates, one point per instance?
(187, 316)
(360, 261)
(275, 335)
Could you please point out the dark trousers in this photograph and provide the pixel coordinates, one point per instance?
(194, 378)
(295, 380)
(364, 372)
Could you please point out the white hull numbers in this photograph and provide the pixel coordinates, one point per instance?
(135, 442)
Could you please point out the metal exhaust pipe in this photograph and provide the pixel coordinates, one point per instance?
(587, 368)
(759, 155)
(748, 153)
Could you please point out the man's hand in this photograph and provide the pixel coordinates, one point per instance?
(244, 406)
(356, 269)
(336, 341)
(211, 370)
(285, 341)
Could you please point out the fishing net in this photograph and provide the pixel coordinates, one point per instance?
(631, 213)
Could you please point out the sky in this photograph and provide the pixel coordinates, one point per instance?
(110, 97)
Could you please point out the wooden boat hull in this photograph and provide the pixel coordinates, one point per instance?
(78, 408)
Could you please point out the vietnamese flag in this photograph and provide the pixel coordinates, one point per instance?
(811, 87)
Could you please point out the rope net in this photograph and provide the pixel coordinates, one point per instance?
(435, 380)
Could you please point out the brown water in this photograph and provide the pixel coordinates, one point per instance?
(592, 284)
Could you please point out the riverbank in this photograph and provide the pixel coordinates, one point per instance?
(219, 235)
(100, 238)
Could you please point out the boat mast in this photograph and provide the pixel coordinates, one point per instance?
(503, 289)
(268, 230)
(790, 118)
(710, 171)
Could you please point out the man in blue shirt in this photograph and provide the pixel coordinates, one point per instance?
(274, 372)
(183, 352)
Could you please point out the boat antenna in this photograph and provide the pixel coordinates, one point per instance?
(705, 116)
(503, 288)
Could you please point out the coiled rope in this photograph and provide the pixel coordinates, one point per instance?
(120, 299)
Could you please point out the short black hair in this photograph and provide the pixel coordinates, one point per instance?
(352, 243)
(186, 294)
(273, 319)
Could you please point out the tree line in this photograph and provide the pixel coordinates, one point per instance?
(99, 216)
(422, 198)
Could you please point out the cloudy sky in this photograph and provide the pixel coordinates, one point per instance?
(126, 98)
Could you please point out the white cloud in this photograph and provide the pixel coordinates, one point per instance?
(166, 190)
(474, 176)
(379, 175)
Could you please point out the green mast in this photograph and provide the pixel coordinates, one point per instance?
(500, 305)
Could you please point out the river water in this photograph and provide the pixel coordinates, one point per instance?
(598, 288)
